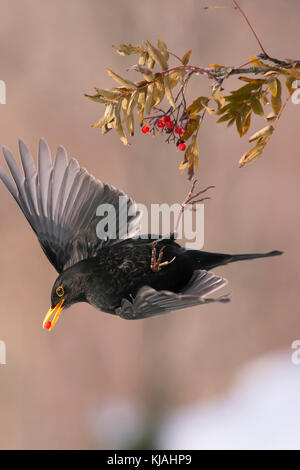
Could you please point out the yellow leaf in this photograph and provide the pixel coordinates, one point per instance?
(150, 62)
(219, 99)
(197, 105)
(246, 123)
(183, 165)
(149, 98)
(143, 58)
(159, 92)
(169, 92)
(271, 116)
(249, 156)
(276, 99)
(272, 84)
(129, 121)
(108, 94)
(185, 59)
(122, 81)
(108, 116)
(191, 127)
(265, 132)
(96, 99)
(127, 49)
(216, 66)
(132, 102)
(162, 46)
(157, 56)
(141, 105)
(256, 62)
(289, 83)
(119, 129)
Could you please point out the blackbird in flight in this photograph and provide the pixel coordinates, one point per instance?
(131, 277)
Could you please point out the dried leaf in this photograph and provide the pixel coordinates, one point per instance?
(157, 56)
(159, 92)
(132, 102)
(246, 121)
(162, 46)
(197, 105)
(149, 99)
(150, 62)
(185, 59)
(168, 91)
(127, 49)
(272, 84)
(96, 99)
(192, 157)
(289, 83)
(252, 154)
(141, 105)
(191, 127)
(108, 94)
(254, 81)
(256, 62)
(271, 116)
(119, 128)
(145, 71)
(129, 121)
(122, 81)
(143, 58)
(255, 152)
(108, 116)
(219, 99)
(276, 99)
(265, 132)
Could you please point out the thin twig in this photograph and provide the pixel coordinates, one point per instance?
(191, 200)
(250, 26)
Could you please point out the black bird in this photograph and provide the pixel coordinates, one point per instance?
(130, 277)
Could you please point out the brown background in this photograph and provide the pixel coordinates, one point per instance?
(51, 53)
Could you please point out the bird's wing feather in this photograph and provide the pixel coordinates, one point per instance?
(149, 302)
(60, 202)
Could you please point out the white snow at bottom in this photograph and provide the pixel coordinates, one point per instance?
(262, 411)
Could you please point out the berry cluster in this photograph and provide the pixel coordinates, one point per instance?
(165, 124)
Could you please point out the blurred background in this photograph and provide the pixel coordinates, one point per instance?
(218, 376)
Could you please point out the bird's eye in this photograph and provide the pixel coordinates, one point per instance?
(60, 291)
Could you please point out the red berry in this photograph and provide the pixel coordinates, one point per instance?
(145, 129)
(166, 119)
(181, 147)
(179, 130)
(170, 125)
(47, 325)
(161, 124)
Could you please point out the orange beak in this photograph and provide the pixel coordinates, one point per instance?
(48, 324)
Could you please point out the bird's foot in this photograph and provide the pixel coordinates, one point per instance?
(156, 264)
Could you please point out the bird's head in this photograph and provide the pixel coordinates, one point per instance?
(65, 292)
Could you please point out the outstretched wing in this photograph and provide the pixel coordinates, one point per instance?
(149, 302)
(60, 202)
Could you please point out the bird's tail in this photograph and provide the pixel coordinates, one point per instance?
(207, 260)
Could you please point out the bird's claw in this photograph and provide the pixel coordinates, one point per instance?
(156, 264)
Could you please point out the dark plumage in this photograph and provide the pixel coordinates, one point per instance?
(60, 201)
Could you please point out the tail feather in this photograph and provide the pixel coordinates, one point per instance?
(207, 260)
